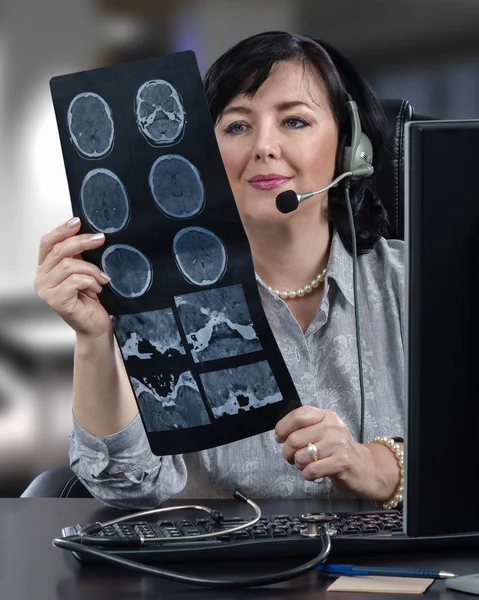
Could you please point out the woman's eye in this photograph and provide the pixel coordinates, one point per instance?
(295, 123)
(236, 128)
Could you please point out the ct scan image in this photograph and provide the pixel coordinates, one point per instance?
(242, 389)
(90, 124)
(130, 271)
(151, 335)
(176, 187)
(159, 112)
(104, 201)
(170, 401)
(217, 323)
(200, 255)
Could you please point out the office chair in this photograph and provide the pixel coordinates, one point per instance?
(60, 482)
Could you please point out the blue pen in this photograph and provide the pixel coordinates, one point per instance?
(353, 571)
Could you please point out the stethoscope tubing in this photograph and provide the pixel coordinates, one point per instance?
(259, 580)
(81, 543)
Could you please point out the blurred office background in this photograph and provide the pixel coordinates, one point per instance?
(426, 51)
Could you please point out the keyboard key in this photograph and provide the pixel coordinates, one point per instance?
(260, 534)
(241, 535)
(190, 531)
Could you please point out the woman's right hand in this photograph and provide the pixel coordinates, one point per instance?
(70, 284)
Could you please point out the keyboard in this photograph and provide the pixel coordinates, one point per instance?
(277, 536)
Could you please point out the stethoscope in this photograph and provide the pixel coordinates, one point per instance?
(317, 525)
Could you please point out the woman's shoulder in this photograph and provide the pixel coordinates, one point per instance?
(386, 260)
(390, 251)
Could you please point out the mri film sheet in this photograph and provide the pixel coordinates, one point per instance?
(144, 168)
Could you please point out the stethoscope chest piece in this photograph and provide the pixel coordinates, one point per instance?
(315, 522)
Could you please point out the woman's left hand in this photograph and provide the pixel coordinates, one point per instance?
(351, 466)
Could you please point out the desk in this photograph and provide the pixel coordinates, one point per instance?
(32, 569)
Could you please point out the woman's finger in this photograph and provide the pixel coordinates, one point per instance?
(48, 240)
(64, 298)
(89, 294)
(300, 438)
(70, 266)
(301, 417)
(320, 450)
(71, 247)
(324, 467)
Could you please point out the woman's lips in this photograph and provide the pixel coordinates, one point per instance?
(269, 183)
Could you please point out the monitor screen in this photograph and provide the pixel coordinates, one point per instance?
(442, 327)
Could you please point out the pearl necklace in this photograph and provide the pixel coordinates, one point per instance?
(307, 289)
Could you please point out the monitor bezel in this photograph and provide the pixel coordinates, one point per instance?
(443, 520)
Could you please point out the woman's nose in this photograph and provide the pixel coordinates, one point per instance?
(266, 145)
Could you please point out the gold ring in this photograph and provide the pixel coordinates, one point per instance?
(312, 451)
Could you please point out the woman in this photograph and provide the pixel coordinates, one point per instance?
(278, 102)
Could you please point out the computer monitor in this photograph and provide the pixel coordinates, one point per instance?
(442, 331)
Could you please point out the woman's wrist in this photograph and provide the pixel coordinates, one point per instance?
(88, 343)
(389, 457)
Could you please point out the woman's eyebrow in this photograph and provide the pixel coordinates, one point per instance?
(292, 104)
(237, 109)
(281, 106)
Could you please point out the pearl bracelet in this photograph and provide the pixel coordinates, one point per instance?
(398, 452)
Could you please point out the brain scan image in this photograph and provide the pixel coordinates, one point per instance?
(159, 112)
(217, 323)
(104, 201)
(129, 269)
(169, 401)
(200, 255)
(241, 389)
(176, 187)
(149, 335)
(91, 125)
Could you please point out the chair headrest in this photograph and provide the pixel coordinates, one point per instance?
(390, 179)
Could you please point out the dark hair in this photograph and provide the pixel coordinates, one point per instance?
(247, 65)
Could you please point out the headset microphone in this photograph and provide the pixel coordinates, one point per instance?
(357, 163)
(289, 200)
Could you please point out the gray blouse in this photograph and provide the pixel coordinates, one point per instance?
(324, 367)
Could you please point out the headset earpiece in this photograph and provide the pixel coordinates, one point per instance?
(358, 157)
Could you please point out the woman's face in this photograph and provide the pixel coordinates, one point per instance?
(283, 138)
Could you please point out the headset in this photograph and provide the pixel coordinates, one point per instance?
(357, 163)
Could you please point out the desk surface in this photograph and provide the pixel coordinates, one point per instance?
(31, 568)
